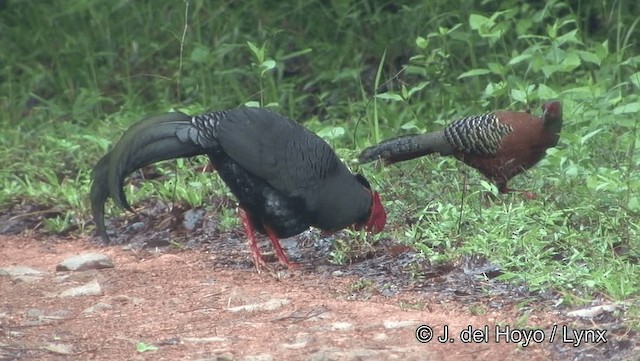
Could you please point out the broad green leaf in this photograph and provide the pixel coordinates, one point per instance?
(635, 79)
(519, 95)
(570, 62)
(589, 57)
(586, 91)
(602, 49)
(572, 171)
(330, 133)
(409, 125)
(421, 42)
(269, 64)
(257, 52)
(544, 92)
(417, 88)
(633, 61)
(390, 96)
(496, 68)
(405, 93)
(627, 108)
(519, 59)
(549, 70)
(478, 21)
(570, 37)
(200, 54)
(474, 72)
(495, 89)
(499, 13)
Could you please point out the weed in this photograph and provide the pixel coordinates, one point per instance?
(75, 75)
(145, 347)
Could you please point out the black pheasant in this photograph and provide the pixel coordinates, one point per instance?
(284, 177)
(500, 144)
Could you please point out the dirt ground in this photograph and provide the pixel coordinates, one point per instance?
(206, 302)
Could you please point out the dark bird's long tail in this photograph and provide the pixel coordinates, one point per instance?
(406, 147)
(154, 139)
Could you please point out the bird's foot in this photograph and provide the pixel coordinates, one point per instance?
(282, 257)
(285, 261)
(526, 194)
(258, 261)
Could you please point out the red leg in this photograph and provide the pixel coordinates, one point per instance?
(526, 194)
(258, 261)
(282, 257)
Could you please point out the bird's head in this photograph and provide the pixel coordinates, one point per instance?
(552, 117)
(552, 111)
(377, 217)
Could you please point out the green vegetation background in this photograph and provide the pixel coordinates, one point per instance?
(74, 74)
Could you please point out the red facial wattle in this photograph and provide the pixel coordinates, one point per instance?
(378, 217)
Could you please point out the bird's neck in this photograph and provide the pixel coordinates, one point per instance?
(553, 125)
(340, 202)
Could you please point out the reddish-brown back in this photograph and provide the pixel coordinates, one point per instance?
(519, 150)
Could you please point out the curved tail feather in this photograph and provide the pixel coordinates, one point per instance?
(151, 140)
(406, 147)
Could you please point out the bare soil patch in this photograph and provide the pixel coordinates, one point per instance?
(204, 301)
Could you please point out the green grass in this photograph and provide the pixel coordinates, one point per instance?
(75, 74)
